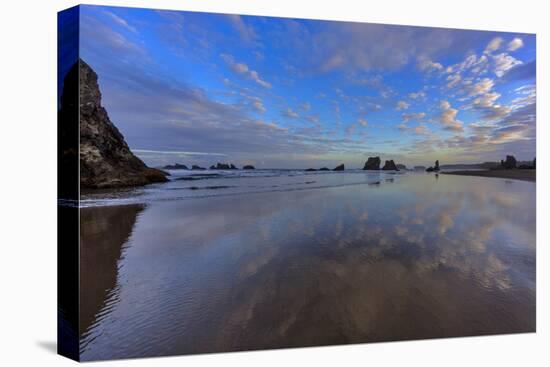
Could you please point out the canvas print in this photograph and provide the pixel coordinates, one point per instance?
(233, 183)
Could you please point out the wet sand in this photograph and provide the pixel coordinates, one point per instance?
(409, 258)
(515, 174)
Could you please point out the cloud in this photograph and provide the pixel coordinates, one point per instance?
(494, 45)
(243, 70)
(448, 117)
(417, 95)
(453, 80)
(503, 63)
(481, 87)
(363, 122)
(427, 65)
(421, 130)
(257, 104)
(246, 32)
(402, 127)
(515, 44)
(490, 110)
(290, 113)
(415, 116)
(121, 21)
(402, 105)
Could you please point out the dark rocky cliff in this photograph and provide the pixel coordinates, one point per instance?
(105, 158)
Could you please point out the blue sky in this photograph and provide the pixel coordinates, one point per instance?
(199, 88)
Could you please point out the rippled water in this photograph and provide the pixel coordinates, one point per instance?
(358, 258)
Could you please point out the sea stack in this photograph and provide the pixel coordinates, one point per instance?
(390, 166)
(249, 166)
(373, 163)
(340, 168)
(175, 166)
(105, 159)
(510, 162)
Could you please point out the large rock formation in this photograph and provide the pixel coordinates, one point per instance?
(340, 168)
(510, 162)
(435, 168)
(373, 163)
(105, 158)
(390, 166)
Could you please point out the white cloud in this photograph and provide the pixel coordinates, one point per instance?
(503, 63)
(421, 130)
(257, 104)
(481, 87)
(427, 65)
(243, 69)
(290, 113)
(402, 105)
(515, 44)
(494, 45)
(413, 116)
(453, 80)
(121, 21)
(254, 76)
(362, 121)
(416, 95)
(448, 117)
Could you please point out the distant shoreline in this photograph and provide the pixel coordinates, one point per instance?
(515, 174)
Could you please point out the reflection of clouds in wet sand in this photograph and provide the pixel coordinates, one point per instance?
(416, 258)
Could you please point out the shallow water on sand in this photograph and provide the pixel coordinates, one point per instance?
(402, 257)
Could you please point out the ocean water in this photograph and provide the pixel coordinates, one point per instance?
(187, 184)
(274, 259)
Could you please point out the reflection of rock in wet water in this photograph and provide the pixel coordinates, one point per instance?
(103, 234)
(417, 258)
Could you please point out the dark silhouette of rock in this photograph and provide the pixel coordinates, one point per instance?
(324, 169)
(249, 166)
(197, 168)
(510, 162)
(390, 166)
(401, 167)
(105, 158)
(224, 166)
(212, 167)
(311, 170)
(373, 163)
(435, 168)
(175, 166)
(535, 163)
(340, 168)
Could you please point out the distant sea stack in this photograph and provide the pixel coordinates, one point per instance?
(373, 163)
(105, 159)
(223, 166)
(435, 168)
(340, 168)
(249, 166)
(175, 166)
(390, 166)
